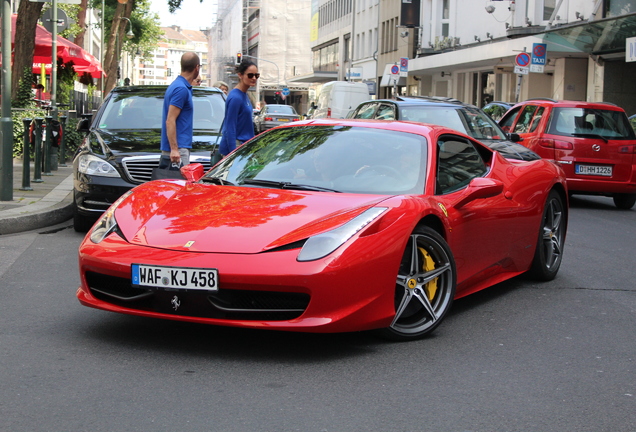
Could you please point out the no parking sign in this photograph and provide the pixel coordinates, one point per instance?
(522, 61)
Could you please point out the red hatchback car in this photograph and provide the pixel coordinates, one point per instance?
(592, 141)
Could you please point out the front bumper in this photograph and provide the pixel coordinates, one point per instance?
(345, 292)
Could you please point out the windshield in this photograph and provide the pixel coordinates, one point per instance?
(468, 120)
(143, 110)
(608, 124)
(337, 158)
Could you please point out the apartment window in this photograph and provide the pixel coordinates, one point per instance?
(326, 57)
(618, 7)
(363, 46)
(548, 9)
(445, 21)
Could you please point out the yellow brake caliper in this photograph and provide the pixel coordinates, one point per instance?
(429, 265)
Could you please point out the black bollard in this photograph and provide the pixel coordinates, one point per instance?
(26, 156)
(46, 166)
(63, 141)
(37, 158)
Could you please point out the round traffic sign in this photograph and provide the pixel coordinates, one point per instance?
(395, 70)
(285, 91)
(522, 59)
(539, 50)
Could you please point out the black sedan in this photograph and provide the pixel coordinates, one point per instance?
(122, 145)
(465, 118)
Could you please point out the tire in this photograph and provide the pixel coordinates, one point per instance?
(81, 223)
(551, 240)
(624, 201)
(425, 286)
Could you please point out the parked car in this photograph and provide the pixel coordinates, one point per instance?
(593, 142)
(122, 145)
(273, 115)
(452, 113)
(338, 98)
(329, 226)
(496, 109)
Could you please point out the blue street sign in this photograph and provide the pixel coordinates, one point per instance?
(285, 91)
(539, 53)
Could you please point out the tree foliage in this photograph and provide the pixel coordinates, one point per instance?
(145, 26)
(143, 23)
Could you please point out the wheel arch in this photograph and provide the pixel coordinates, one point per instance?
(435, 223)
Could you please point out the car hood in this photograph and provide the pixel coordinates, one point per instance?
(225, 219)
(146, 140)
(511, 150)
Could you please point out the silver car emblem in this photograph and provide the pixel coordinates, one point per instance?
(175, 302)
(596, 147)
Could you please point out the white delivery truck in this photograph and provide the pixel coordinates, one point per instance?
(338, 98)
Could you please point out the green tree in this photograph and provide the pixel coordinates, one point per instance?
(24, 97)
(143, 23)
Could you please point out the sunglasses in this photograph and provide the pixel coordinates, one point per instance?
(253, 75)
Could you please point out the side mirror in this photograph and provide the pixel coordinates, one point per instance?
(192, 172)
(479, 188)
(514, 137)
(84, 125)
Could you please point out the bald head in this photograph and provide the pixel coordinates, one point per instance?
(189, 62)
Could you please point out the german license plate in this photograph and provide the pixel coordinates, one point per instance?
(283, 120)
(175, 277)
(597, 170)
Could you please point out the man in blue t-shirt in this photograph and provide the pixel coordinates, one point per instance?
(178, 112)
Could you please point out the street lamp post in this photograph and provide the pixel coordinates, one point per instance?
(129, 35)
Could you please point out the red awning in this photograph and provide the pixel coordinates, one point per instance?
(67, 50)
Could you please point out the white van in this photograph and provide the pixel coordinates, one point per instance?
(338, 98)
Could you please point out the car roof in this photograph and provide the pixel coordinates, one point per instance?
(424, 100)
(159, 89)
(571, 104)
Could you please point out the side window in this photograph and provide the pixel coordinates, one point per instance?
(537, 119)
(458, 162)
(523, 124)
(508, 120)
(366, 111)
(385, 112)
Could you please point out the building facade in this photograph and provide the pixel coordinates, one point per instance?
(274, 34)
(468, 49)
(165, 63)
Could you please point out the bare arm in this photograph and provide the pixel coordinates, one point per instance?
(171, 132)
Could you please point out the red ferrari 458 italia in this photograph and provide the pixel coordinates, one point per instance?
(329, 226)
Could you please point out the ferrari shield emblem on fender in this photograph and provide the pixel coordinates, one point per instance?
(175, 303)
(188, 244)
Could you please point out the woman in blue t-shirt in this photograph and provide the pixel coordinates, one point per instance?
(238, 125)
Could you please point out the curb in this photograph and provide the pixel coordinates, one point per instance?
(53, 215)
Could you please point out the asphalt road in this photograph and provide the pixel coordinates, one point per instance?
(521, 356)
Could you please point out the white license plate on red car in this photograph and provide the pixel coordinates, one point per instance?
(597, 170)
(175, 277)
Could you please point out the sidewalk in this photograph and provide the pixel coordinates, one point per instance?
(49, 203)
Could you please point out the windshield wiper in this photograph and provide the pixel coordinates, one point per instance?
(217, 180)
(286, 185)
(591, 135)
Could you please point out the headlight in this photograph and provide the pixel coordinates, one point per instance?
(107, 223)
(92, 165)
(323, 244)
